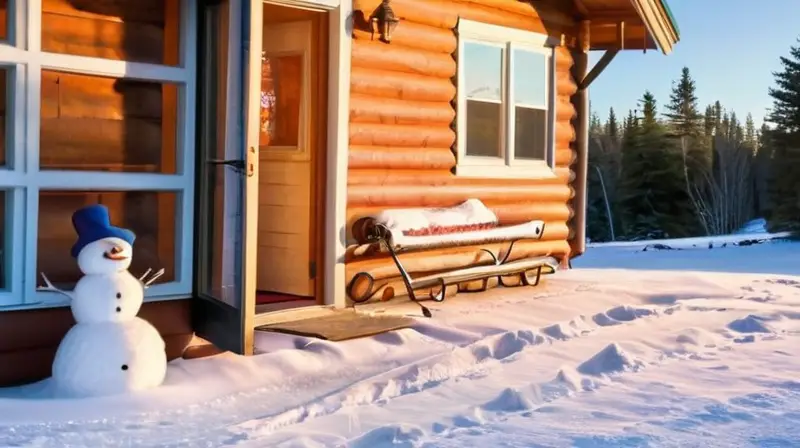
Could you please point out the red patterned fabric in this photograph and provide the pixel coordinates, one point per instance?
(444, 230)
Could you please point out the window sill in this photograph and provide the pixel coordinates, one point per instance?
(527, 171)
(46, 300)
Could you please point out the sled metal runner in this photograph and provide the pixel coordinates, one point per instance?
(529, 270)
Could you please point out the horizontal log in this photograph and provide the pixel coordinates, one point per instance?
(370, 109)
(528, 9)
(512, 214)
(395, 176)
(360, 157)
(428, 12)
(447, 195)
(565, 156)
(480, 11)
(378, 55)
(82, 96)
(149, 11)
(98, 37)
(508, 214)
(565, 133)
(435, 178)
(369, 134)
(389, 288)
(565, 110)
(565, 84)
(382, 267)
(564, 59)
(405, 86)
(78, 140)
(417, 36)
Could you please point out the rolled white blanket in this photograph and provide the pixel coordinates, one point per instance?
(470, 222)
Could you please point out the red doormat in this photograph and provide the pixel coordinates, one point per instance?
(264, 297)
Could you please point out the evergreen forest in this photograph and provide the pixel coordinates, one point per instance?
(682, 169)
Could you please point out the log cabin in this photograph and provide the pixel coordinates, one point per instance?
(278, 144)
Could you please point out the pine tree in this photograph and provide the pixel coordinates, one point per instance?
(683, 113)
(785, 138)
(709, 122)
(689, 126)
(612, 127)
(595, 127)
(763, 166)
(652, 197)
(750, 138)
(718, 111)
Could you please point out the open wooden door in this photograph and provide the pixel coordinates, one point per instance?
(227, 179)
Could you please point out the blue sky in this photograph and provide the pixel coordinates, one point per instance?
(730, 46)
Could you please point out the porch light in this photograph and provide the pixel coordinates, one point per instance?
(384, 21)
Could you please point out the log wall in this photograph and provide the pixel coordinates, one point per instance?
(29, 339)
(402, 113)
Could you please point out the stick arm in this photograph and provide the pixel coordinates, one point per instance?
(49, 287)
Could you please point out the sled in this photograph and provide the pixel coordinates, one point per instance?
(376, 235)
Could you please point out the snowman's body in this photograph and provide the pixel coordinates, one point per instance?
(106, 358)
(109, 350)
(115, 297)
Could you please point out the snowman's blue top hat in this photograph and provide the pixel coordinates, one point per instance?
(92, 223)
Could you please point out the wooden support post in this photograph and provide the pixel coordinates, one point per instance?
(581, 103)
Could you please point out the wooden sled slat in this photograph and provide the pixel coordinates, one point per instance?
(482, 272)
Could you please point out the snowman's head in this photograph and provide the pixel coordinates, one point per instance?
(105, 256)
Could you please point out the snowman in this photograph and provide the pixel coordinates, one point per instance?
(109, 350)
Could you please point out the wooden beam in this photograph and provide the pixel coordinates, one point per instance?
(581, 8)
(614, 16)
(598, 68)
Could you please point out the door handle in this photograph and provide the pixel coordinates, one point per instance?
(236, 164)
(245, 167)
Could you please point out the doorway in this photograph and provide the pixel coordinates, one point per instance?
(291, 152)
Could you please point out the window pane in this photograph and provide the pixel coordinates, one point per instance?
(150, 215)
(483, 128)
(3, 19)
(3, 115)
(530, 133)
(483, 71)
(281, 98)
(4, 256)
(105, 124)
(127, 30)
(530, 80)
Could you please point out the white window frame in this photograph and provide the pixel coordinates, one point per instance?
(22, 53)
(505, 166)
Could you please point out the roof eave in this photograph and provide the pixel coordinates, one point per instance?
(659, 21)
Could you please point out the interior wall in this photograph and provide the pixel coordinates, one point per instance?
(278, 247)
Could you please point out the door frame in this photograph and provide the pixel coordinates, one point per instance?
(333, 229)
(232, 327)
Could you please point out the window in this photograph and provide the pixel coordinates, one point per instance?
(506, 99)
(96, 106)
(149, 214)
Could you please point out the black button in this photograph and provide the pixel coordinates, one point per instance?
(119, 309)
(124, 367)
(119, 295)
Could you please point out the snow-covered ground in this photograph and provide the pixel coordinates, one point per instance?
(692, 347)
